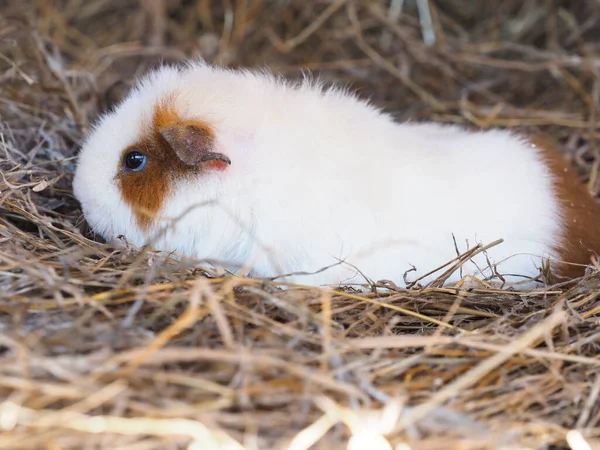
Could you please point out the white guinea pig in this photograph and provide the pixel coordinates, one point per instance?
(250, 170)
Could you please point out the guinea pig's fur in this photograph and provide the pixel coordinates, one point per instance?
(246, 168)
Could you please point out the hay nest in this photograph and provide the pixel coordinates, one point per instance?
(117, 348)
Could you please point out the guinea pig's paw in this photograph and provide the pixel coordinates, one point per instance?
(119, 242)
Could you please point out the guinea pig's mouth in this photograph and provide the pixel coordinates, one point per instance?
(88, 224)
(88, 228)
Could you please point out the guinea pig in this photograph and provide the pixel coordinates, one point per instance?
(312, 184)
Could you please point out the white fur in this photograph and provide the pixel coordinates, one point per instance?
(318, 175)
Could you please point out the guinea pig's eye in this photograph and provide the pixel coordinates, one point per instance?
(135, 161)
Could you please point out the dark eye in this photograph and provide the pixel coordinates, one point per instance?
(135, 161)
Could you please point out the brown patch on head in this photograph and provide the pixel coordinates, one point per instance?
(175, 149)
(164, 114)
(579, 211)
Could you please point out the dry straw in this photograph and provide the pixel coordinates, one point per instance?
(113, 348)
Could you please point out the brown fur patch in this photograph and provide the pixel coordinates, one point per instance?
(579, 211)
(145, 191)
(164, 114)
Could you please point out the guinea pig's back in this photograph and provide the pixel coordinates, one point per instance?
(339, 176)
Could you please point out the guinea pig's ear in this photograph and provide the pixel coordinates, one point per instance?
(193, 143)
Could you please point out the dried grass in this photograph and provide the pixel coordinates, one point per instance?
(106, 348)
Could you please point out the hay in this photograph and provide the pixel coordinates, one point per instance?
(112, 348)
